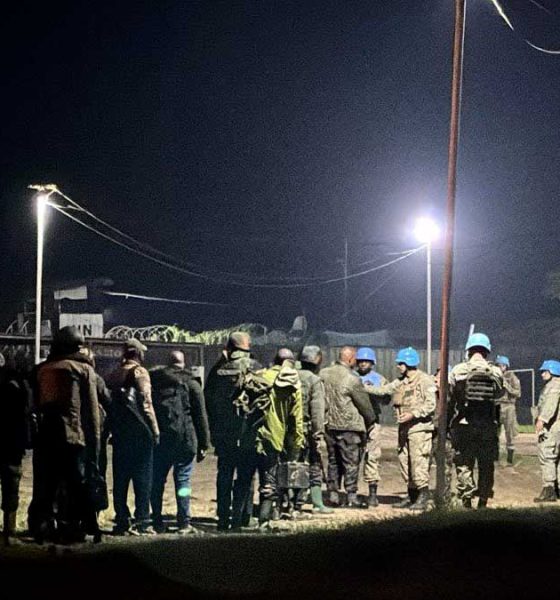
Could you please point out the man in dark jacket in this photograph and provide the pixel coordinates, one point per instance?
(67, 439)
(183, 424)
(14, 403)
(350, 415)
(225, 424)
(135, 432)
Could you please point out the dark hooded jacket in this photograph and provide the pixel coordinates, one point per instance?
(180, 411)
(14, 415)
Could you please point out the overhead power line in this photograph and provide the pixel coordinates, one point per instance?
(134, 246)
(127, 295)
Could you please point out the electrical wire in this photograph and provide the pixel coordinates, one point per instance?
(189, 265)
(192, 273)
(509, 23)
(128, 295)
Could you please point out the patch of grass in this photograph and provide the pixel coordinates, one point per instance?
(526, 428)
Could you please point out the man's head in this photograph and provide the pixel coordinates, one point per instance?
(347, 356)
(176, 359)
(239, 340)
(67, 340)
(311, 357)
(134, 350)
(478, 343)
(283, 354)
(407, 359)
(365, 358)
(502, 362)
(550, 369)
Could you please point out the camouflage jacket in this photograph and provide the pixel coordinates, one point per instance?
(480, 413)
(348, 405)
(313, 391)
(415, 394)
(512, 389)
(549, 403)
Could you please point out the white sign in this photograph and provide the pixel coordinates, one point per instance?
(77, 293)
(90, 325)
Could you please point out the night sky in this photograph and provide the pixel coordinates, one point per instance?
(252, 137)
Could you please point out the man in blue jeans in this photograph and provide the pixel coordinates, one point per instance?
(181, 413)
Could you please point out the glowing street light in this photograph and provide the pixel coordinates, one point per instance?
(427, 231)
(42, 201)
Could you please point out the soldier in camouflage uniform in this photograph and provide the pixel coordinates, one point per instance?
(313, 391)
(414, 397)
(365, 358)
(510, 395)
(547, 428)
(474, 387)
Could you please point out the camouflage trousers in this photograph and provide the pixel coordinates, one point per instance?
(373, 454)
(414, 452)
(549, 457)
(475, 446)
(508, 419)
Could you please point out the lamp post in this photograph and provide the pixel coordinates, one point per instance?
(42, 200)
(426, 232)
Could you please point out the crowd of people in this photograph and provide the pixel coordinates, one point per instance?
(273, 422)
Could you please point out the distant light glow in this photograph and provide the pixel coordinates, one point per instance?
(426, 230)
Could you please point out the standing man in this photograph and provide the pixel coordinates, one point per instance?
(183, 424)
(547, 429)
(222, 387)
(511, 393)
(474, 387)
(274, 412)
(67, 439)
(14, 405)
(366, 359)
(350, 418)
(313, 391)
(415, 403)
(135, 432)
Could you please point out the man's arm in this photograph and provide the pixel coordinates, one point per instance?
(296, 421)
(144, 386)
(361, 401)
(388, 389)
(317, 407)
(427, 404)
(513, 386)
(200, 417)
(91, 422)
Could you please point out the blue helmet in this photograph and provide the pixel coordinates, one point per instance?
(502, 360)
(409, 356)
(551, 365)
(366, 354)
(479, 339)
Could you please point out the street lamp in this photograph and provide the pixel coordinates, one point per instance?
(426, 232)
(42, 200)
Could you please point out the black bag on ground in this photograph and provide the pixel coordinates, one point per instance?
(293, 475)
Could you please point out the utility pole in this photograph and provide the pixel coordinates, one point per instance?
(456, 91)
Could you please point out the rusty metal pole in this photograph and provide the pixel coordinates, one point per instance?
(456, 90)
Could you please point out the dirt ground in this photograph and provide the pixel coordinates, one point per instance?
(515, 487)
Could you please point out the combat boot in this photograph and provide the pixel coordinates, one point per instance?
(317, 500)
(482, 503)
(510, 457)
(353, 502)
(466, 502)
(334, 498)
(373, 501)
(408, 501)
(422, 500)
(548, 494)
